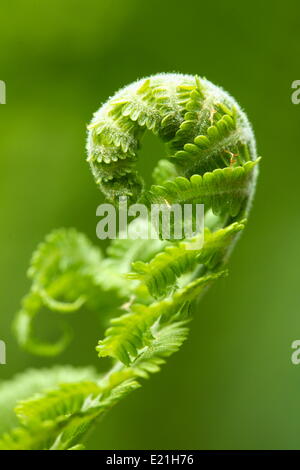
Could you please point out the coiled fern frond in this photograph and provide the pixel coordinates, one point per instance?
(146, 289)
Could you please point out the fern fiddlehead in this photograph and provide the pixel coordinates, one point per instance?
(203, 127)
(210, 159)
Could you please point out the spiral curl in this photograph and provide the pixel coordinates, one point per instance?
(202, 126)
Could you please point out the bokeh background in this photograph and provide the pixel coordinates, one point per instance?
(232, 386)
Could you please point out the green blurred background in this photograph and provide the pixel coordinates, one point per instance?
(233, 385)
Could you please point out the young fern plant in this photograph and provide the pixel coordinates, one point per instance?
(148, 289)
